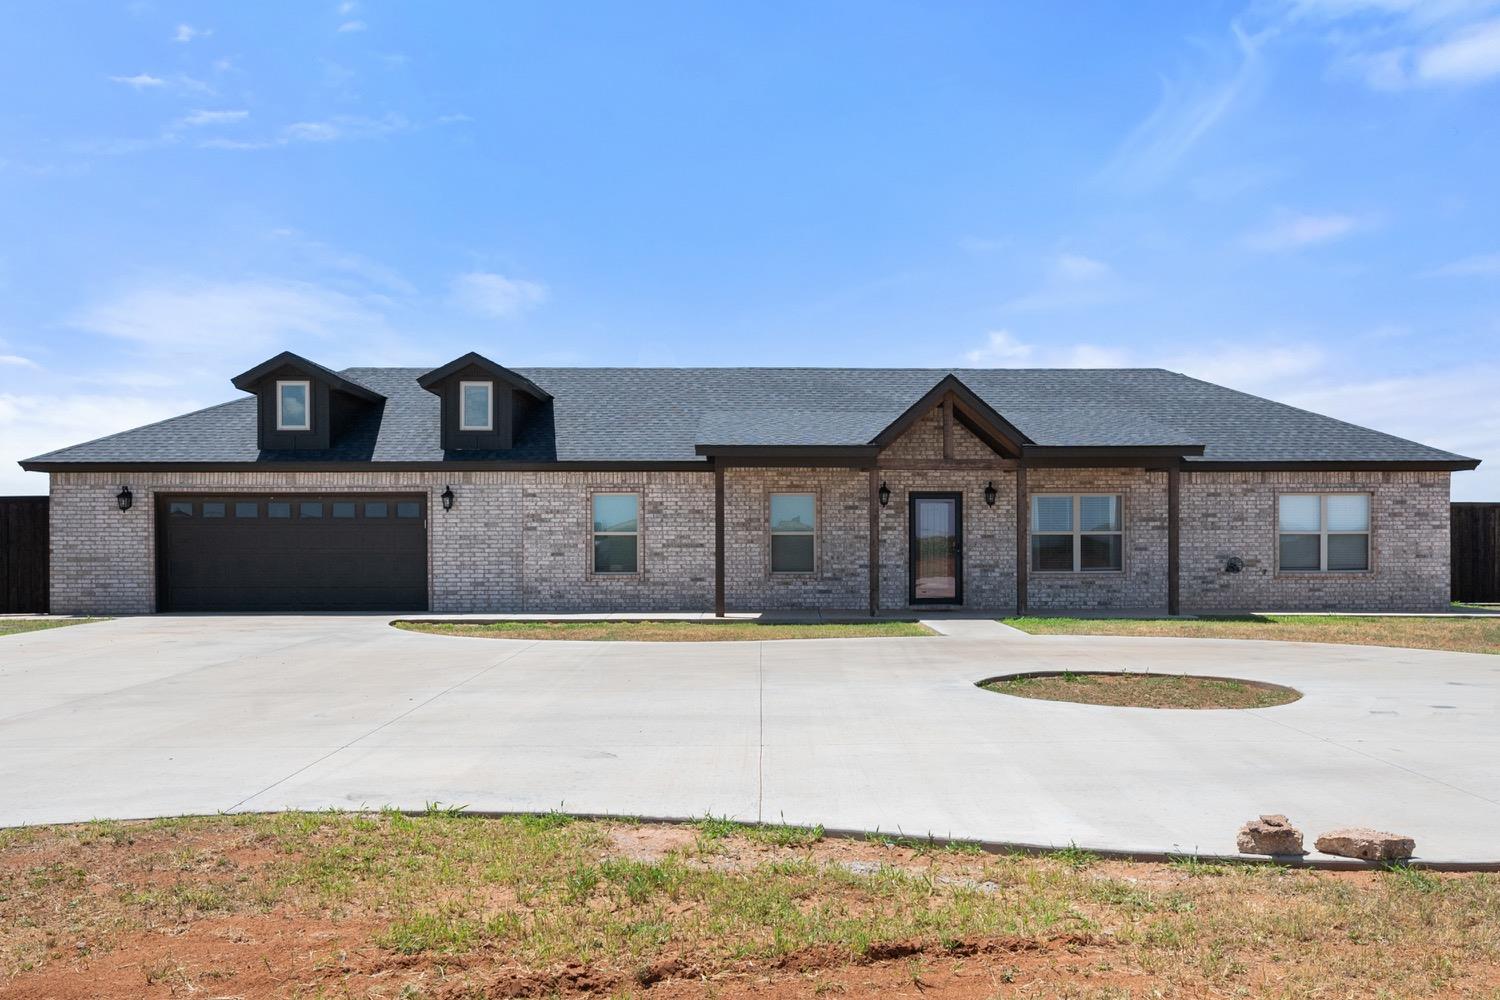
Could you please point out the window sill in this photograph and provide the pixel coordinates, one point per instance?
(1076, 572)
(1302, 574)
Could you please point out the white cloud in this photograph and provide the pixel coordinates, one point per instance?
(1185, 113)
(186, 33)
(195, 119)
(1291, 231)
(1002, 349)
(495, 295)
(140, 81)
(1471, 56)
(1484, 265)
(16, 361)
(351, 26)
(340, 128)
(1071, 280)
(205, 317)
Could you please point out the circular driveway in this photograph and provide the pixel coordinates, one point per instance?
(163, 715)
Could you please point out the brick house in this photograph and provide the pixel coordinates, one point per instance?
(474, 487)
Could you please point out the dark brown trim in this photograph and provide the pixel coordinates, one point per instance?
(1131, 453)
(912, 499)
(1460, 465)
(457, 465)
(1174, 539)
(948, 427)
(1023, 518)
(954, 465)
(784, 452)
(874, 533)
(719, 605)
(999, 429)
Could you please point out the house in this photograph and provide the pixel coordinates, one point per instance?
(475, 487)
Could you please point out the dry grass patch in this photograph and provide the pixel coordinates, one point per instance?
(17, 626)
(668, 631)
(1145, 690)
(1463, 635)
(446, 906)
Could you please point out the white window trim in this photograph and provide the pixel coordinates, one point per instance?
(489, 393)
(307, 405)
(1076, 534)
(594, 569)
(771, 548)
(1323, 532)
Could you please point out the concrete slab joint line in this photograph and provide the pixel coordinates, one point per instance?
(314, 712)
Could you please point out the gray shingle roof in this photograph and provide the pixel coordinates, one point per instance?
(660, 414)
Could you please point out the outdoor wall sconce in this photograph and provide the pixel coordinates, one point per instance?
(990, 493)
(885, 494)
(1234, 564)
(124, 498)
(447, 498)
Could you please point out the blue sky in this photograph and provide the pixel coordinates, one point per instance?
(1293, 198)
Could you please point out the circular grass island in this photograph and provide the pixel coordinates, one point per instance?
(1139, 690)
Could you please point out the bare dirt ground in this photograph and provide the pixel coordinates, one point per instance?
(443, 906)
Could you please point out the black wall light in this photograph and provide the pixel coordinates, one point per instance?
(447, 498)
(124, 498)
(885, 494)
(990, 493)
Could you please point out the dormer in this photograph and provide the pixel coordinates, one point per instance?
(302, 405)
(484, 405)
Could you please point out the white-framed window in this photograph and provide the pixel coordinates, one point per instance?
(1077, 533)
(476, 406)
(1323, 532)
(794, 523)
(294, 406)
(617, 532)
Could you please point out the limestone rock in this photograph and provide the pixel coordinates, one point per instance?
(1366, 844)
(1271, 834)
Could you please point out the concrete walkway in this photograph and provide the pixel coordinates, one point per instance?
(160, 715)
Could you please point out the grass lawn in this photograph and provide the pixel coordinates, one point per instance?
(1464, 635)
(668, 631)
(384, 905)
(1145, 690)
(15, 626)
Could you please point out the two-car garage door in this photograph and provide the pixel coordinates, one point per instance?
(332, 552)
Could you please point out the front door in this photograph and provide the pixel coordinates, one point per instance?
(937, 548)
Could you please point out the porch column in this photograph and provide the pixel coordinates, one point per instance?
(874, 533)
(1022, 555)
(719, 537)
(1174, 537)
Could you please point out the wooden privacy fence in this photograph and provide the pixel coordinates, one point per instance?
(1476, 552)
(23, 554)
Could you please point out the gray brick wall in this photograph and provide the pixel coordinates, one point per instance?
(1228, 514)
(521, 541)
(1142, 583)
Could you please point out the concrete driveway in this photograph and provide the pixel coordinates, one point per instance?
(160, 715)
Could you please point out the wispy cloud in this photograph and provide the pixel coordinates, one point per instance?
(16, 361)
(340, 128)
(141, 81)
(1003, 349)
(212, 317)
(351, 26)
(1189, 108)
(1072, 280)
(1293, 231)
(495, 295)
(1399, 44)
(186, 33)
(197, 119)
(1485, 265)
(1471, 56)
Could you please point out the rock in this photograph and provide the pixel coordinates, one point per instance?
(1271, 834)
(1366, 844)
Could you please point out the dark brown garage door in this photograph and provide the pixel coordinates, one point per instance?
(292, 553)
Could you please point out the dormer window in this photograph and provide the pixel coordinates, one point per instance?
(292, 410)
(476, 406)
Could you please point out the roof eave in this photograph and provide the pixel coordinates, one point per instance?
(247, 381)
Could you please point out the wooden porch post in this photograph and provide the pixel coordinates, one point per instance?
(1021, 554)
(719, 537)
(874, 533)
(1174, 538)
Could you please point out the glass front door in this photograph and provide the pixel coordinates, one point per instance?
(937, 574)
